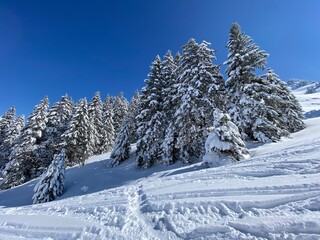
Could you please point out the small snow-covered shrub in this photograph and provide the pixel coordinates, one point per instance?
(224, 143)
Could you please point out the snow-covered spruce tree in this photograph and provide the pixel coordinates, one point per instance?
(248, 109)
(150, 118)
(224, 143)
(77, 135)
(132, 114)
(169, 74)
(51, 143)
(97, 135)
(120, 110)
(11, 134)
(281, 99)
(109, 134)
(200, 87)
(6, 122)
(121, 148)
(23, 164)
(51, 183)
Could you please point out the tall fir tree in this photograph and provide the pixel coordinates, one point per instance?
(5, 121)
(10, 127)
(59, 117)
(51, 183)
(77, 136)
(280, 98)
(121, 148)
(132, 114)
(170, 105)
(248, 105)
(23, 164)
(150, 118)
(200, 85)
(108, 139)
(120, 110)
(97, 134)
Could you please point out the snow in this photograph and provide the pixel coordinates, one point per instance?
(273, 195)
(309, 102)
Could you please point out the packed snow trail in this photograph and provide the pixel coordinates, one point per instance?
(273, 195)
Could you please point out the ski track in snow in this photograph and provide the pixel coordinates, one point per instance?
(273, 195)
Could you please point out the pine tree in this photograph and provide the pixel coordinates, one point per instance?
(23, 164)
(254, 100)
(132, 114)
(108, 139)
(150, 118)
(77, 136)
(51, 184)
(121, 149)
(120, 110)
(52, 142)
(224, 142)
(97, 129)
(248, 109)
(11, 134)
(199, 88)
(170, 105)
(5, 121)
(8, 122)
(281, 99)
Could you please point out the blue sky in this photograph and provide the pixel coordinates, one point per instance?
(80, 47)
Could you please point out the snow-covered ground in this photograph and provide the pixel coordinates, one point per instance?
(273, 195)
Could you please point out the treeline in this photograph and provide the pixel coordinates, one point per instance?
(186, 111)
(82, 130)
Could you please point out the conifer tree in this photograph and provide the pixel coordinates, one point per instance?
(150, 118)
(23, 164)
(120, 110)
(280, 98)
(51, 183)
(95, 111)
(170, 105)
(250, 101)
(77, 136)
(109, 132)
(224, 142)
(11, 135)
(245, 106)
(121, 148)
(132, 114)
(7, 122)
(199, 85)
(51, 143)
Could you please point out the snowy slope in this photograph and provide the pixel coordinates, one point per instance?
(274, 195)
(310, 102)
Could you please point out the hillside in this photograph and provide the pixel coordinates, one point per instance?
(273, 195)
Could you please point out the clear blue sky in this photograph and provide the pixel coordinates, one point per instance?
(80, 47)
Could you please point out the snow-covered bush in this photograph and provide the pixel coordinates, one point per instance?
(224, 143)
(51, 184)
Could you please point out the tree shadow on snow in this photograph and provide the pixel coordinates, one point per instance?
(95, 176)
